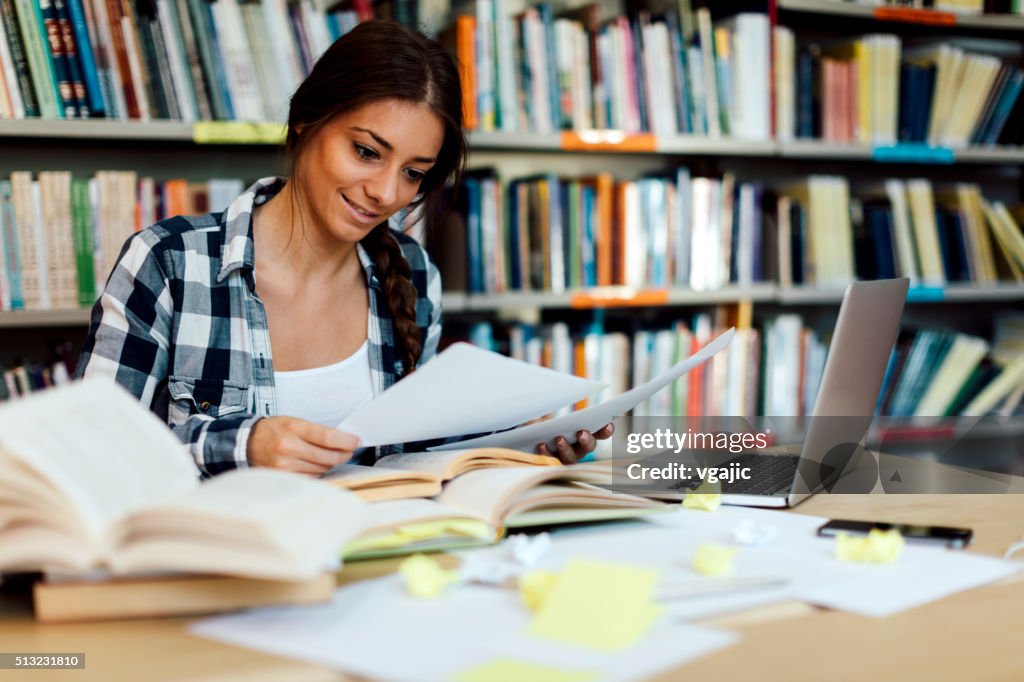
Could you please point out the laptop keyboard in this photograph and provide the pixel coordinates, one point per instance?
(769, 475)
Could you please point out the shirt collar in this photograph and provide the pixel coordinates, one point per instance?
(236, 231)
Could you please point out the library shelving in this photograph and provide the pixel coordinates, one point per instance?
(200, 150)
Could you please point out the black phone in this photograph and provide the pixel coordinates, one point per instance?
(956, 538)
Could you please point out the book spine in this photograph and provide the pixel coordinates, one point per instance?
(72, 58)
(92, 92)
(44, 82)
(19, 78)
(59, 58)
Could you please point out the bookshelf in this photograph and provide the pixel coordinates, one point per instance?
(201, 150)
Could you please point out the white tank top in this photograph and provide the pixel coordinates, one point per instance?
(326, 395)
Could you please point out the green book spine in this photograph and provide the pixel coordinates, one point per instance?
(17, 51)
(81, 221)
(44, 80)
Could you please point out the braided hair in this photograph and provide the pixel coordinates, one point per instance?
(383, 60)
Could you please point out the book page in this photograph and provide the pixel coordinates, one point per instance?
(490, 493)
(451, 463)
(464, 390)
(99, 448)
(355, 476)
(591, 418)
(260, 523)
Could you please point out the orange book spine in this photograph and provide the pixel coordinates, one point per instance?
(579, 367)
(605, 246)
(465, 27)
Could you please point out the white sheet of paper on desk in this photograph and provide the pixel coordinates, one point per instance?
(364, 626)
(465, 389)
(594, 417)
(667, 542)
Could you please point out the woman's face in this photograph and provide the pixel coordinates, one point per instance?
(363, 166)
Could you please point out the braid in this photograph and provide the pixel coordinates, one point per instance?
(399, 291)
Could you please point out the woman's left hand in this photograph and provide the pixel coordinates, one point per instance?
(570, 453)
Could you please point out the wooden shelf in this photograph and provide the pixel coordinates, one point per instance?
(456, 302)
(44, 318)
(680, 145)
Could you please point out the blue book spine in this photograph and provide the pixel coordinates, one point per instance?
(588, 213)
(1003, 108)
(890, 372)
(547, 19)
(679, 73)
(474, 236)
(926, 85)
(512, 237)
(958, 247)
(805, 94)
(12, 254)
(885, 254)
(90, 73)
(942, 227)
(334, 26)
(220, 77)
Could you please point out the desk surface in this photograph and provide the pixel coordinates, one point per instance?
(974, 635)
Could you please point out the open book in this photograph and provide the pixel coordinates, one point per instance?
(90, 480)
(479, 506)
(421, 474)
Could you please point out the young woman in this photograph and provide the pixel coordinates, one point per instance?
(307, 266)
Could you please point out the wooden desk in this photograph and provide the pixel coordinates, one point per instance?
(976, 635)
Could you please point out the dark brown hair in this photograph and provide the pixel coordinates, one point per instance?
(380, 60)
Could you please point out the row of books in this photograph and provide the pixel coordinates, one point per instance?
(872, 91)
(162, 59)
(668, 73)
(60, 236)
(21, 377)
(936, 372)
(896, 228)
(676, 229)
(776, 369)
(727, 385)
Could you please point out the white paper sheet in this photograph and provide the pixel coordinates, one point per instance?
(594, 417)
(374, 628)
(668, 541)
(465, 389)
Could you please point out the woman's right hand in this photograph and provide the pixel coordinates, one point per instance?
(298, 445)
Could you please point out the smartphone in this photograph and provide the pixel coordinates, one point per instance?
(955, 538)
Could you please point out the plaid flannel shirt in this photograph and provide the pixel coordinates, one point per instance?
(180, 325)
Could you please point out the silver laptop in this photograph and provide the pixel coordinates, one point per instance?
(865, 332)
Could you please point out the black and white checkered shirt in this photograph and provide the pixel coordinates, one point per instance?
(180, 326)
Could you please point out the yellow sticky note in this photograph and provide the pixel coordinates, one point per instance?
(878, 547)
(713, 559)
(598, 605)
(702, 501)
(507, 670)
(535, 586)
(706, 497)
(238, 132)
(424, 577)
